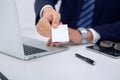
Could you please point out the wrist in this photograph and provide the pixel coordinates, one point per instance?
(41, 11)
(95, 35)
(87, 35)
(83, 33)
(47, 10)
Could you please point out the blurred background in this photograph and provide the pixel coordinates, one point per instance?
(26, 12)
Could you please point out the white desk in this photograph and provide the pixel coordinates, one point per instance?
(61, 66)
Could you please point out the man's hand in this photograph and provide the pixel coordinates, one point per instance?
(74, 37)
(50, 18)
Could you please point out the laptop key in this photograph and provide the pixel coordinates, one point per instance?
(28, 50)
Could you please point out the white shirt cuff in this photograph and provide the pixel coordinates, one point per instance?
(96, 35)
(41, 12)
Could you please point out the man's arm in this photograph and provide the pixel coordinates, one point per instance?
(109, 31)
(39, 4)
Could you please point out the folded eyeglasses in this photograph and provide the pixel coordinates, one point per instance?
(110, 44)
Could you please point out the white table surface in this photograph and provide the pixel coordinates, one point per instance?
(60, 66)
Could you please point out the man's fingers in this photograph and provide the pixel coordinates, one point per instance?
(52, 44)
(57, 44)
(49, 43)
(44, 27)
(56, 20)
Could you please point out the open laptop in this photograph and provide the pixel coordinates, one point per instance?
(10, 39)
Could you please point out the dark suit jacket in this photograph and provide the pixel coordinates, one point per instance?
(105, 20)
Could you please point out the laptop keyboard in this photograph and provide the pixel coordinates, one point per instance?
(28, 50)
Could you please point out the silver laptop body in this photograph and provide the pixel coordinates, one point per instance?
(10, 38)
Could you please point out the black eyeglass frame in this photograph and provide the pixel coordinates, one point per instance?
(110, 44)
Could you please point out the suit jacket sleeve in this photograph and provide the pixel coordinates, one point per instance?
(109, 31)
(38, 6)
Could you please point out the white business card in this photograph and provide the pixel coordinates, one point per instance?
(60, 34)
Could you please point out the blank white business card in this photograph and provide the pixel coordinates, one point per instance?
(60, 34)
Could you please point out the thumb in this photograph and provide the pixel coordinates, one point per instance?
(56, 20)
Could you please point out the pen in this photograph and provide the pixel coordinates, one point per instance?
(90, 61)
